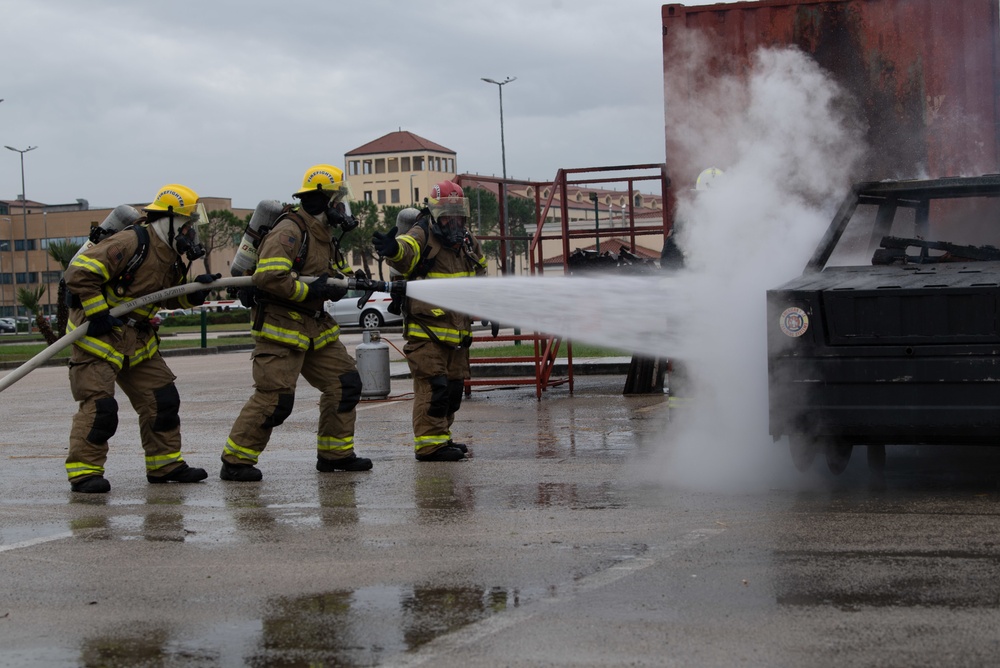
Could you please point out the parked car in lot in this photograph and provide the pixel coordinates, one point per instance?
(373, 314)
(7, 326)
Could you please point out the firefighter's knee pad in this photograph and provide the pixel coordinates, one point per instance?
(105, 421)
(439, 397)
(350, 391)
(455, 390)
(168, 405)
(281, 411)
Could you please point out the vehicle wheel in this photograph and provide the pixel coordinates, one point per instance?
(803, 451)
(371, 319)
(837, 456)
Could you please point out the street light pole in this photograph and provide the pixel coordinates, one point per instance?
(597, 222)
(503, 152)
(24, 213)
(10, 243)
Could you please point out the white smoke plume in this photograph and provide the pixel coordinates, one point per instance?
(790, 148)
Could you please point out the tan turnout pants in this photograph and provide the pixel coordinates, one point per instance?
(276, 369)
(439, 374)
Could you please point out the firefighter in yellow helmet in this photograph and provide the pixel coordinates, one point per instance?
(141, 259)
(438, 245)
(296, 336)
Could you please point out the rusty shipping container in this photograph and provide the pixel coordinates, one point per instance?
(923, 72)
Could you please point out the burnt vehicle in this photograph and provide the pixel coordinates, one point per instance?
(891, 336)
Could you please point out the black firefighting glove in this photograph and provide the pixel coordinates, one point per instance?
(101, 323)
(198, 298)
(320, 289)
(386, 244)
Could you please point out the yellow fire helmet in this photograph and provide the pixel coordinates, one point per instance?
(177, 198)
(326, 178)
(707, 178)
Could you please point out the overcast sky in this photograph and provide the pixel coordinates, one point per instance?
(237, 98)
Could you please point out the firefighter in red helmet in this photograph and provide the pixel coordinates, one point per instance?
(438, 245)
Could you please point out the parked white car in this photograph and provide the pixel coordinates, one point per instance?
(373, 314)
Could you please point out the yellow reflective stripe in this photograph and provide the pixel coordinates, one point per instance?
(326, 337)
(343, 267)
(97, 348)
(437, 311)
(273, 264)
(425, 441)
(77, 469)
(443, 334)
(159, 461)
(458, 274)
(482, 262)
(144, 353)
(282, 335)
(331, 443)
(412, 243)
(301, 290)
(241, 452)
(91, 265)
(94, 305)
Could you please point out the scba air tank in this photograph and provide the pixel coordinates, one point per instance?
(120, 217)
(372, 356)
(261, 222)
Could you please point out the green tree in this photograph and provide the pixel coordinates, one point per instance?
(30, 299)
(359, 240)
(224, 229)
(62, 252)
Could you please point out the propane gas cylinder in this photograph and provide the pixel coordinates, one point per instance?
(372, 356)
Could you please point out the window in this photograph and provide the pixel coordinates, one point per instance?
(418, 163)
(416, 195)
(380, 165)
(366, 167)
(393, 165)
(394, 196)
(26, 278)
(4, 244)
(405, 164)
(6, 279)
(19, 244)
(368, 195)
(381, 197)
(354, 167)
(51, 276)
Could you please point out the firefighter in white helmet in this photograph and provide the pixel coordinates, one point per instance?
(672, 257)
(141, 259)
(296, 336)
(437, 245)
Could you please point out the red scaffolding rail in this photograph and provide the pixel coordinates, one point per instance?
(545, 347)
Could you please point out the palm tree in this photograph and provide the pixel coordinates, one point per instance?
(62, 252)
(30, 298)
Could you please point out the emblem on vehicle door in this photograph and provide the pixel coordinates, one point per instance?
(793, 321)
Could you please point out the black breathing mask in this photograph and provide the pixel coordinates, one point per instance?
(188, 245)
(338, 214)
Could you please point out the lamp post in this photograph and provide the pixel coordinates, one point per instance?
(24, 212)
(503, 152)
(597, 221)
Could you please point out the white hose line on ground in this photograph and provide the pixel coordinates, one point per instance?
(163, 295)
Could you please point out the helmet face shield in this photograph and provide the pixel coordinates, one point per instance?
(187, 240)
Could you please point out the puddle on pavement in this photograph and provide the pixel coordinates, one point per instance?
(359, 627)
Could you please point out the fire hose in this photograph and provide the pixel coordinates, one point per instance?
(20, 372)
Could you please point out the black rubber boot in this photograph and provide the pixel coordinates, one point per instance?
(446, 453)
(240, 472)
(182, 473)
(352, 463)
(461, 446)
(95, 484)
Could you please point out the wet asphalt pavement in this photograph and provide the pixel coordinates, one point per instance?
(551, 547)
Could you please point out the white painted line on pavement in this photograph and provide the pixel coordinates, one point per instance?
(36, 541)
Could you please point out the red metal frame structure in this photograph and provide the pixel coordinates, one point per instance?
(547, 347)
